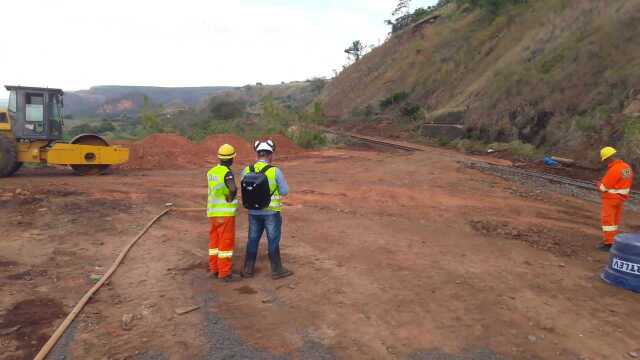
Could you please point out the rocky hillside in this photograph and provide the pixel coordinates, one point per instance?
(558, 74)
(294, 95)
(113, 101)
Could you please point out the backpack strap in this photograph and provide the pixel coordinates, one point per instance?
(252, 168)
(265, 169)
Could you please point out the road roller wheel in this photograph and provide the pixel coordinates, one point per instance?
(94, 140)
(8, 156)
(15, 169)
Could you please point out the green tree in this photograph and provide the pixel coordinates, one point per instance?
(105, 127)
(356, 50)
(149, 117)
(402, 9)
(221, 108)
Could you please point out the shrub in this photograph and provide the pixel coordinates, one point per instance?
(308, 138)
(226, 109)
(369, 110)
(469, 146)
(522, 150)
(412, 111)
(396, 98)
(631, 139)
(588, 125)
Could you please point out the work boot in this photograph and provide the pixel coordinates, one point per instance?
(277, 270)
(604, 247)
(249, 268)
(230, 279)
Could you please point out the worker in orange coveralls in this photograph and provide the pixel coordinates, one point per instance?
(615, 188)
(221, 211)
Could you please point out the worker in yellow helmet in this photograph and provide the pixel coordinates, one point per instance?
(615, 188)
(221, 211)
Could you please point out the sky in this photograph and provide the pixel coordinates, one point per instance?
(76, 44)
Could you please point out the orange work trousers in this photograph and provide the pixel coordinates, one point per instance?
(611, 216)
(222, 237)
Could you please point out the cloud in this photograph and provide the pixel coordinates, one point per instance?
(78, 43)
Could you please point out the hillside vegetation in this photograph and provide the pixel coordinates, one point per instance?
(249, 111)
(561, 75)
(116, 101)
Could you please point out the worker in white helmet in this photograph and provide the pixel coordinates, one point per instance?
(263, 186)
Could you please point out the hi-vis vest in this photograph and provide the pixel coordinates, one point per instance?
(276, 199)
(617, 182)
(217, 205)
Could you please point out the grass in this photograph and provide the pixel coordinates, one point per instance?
(631, 139)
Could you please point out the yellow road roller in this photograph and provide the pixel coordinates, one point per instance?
(31, 132)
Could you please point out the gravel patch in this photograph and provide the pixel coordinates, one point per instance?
(481, 354)
(61, 350)
(226, 344)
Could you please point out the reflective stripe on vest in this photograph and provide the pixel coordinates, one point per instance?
(617, 182)
(213, 252)
(217, 205)
(609, 228)
(276, 199)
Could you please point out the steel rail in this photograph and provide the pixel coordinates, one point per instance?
(536, 174)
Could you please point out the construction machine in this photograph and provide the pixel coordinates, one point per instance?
(31, 132)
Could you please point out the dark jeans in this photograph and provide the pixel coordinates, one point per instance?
(257, 225)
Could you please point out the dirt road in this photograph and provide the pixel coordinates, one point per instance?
(397, 256)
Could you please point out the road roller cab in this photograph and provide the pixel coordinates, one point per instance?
(31, 130)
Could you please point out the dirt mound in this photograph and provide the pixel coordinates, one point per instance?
(210, 145)
(163, 151)
(172, 151)
(284, 145)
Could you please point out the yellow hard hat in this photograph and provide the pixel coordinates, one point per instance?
(607, 152)
(226, 152)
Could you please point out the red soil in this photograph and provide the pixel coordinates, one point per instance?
(172, 151)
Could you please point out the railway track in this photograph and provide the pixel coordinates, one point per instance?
(514, 170)
(377, 141)
(587, 185)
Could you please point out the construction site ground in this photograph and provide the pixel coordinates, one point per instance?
(396, 255)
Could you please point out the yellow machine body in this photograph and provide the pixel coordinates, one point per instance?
(71, 154)
(86, 154)
(5, 124)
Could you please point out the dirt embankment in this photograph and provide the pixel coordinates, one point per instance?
(172, 151)
(544, 75)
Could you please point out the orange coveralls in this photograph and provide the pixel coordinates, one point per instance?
(221, 242)
(615, 188)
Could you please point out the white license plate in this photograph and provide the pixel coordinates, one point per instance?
(627, 267)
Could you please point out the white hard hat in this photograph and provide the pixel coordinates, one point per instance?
(265, 146)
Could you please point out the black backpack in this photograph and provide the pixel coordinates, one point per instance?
(256, 194)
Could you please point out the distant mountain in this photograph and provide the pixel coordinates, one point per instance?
(113, 101)
(4, 102)
(294, 95)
